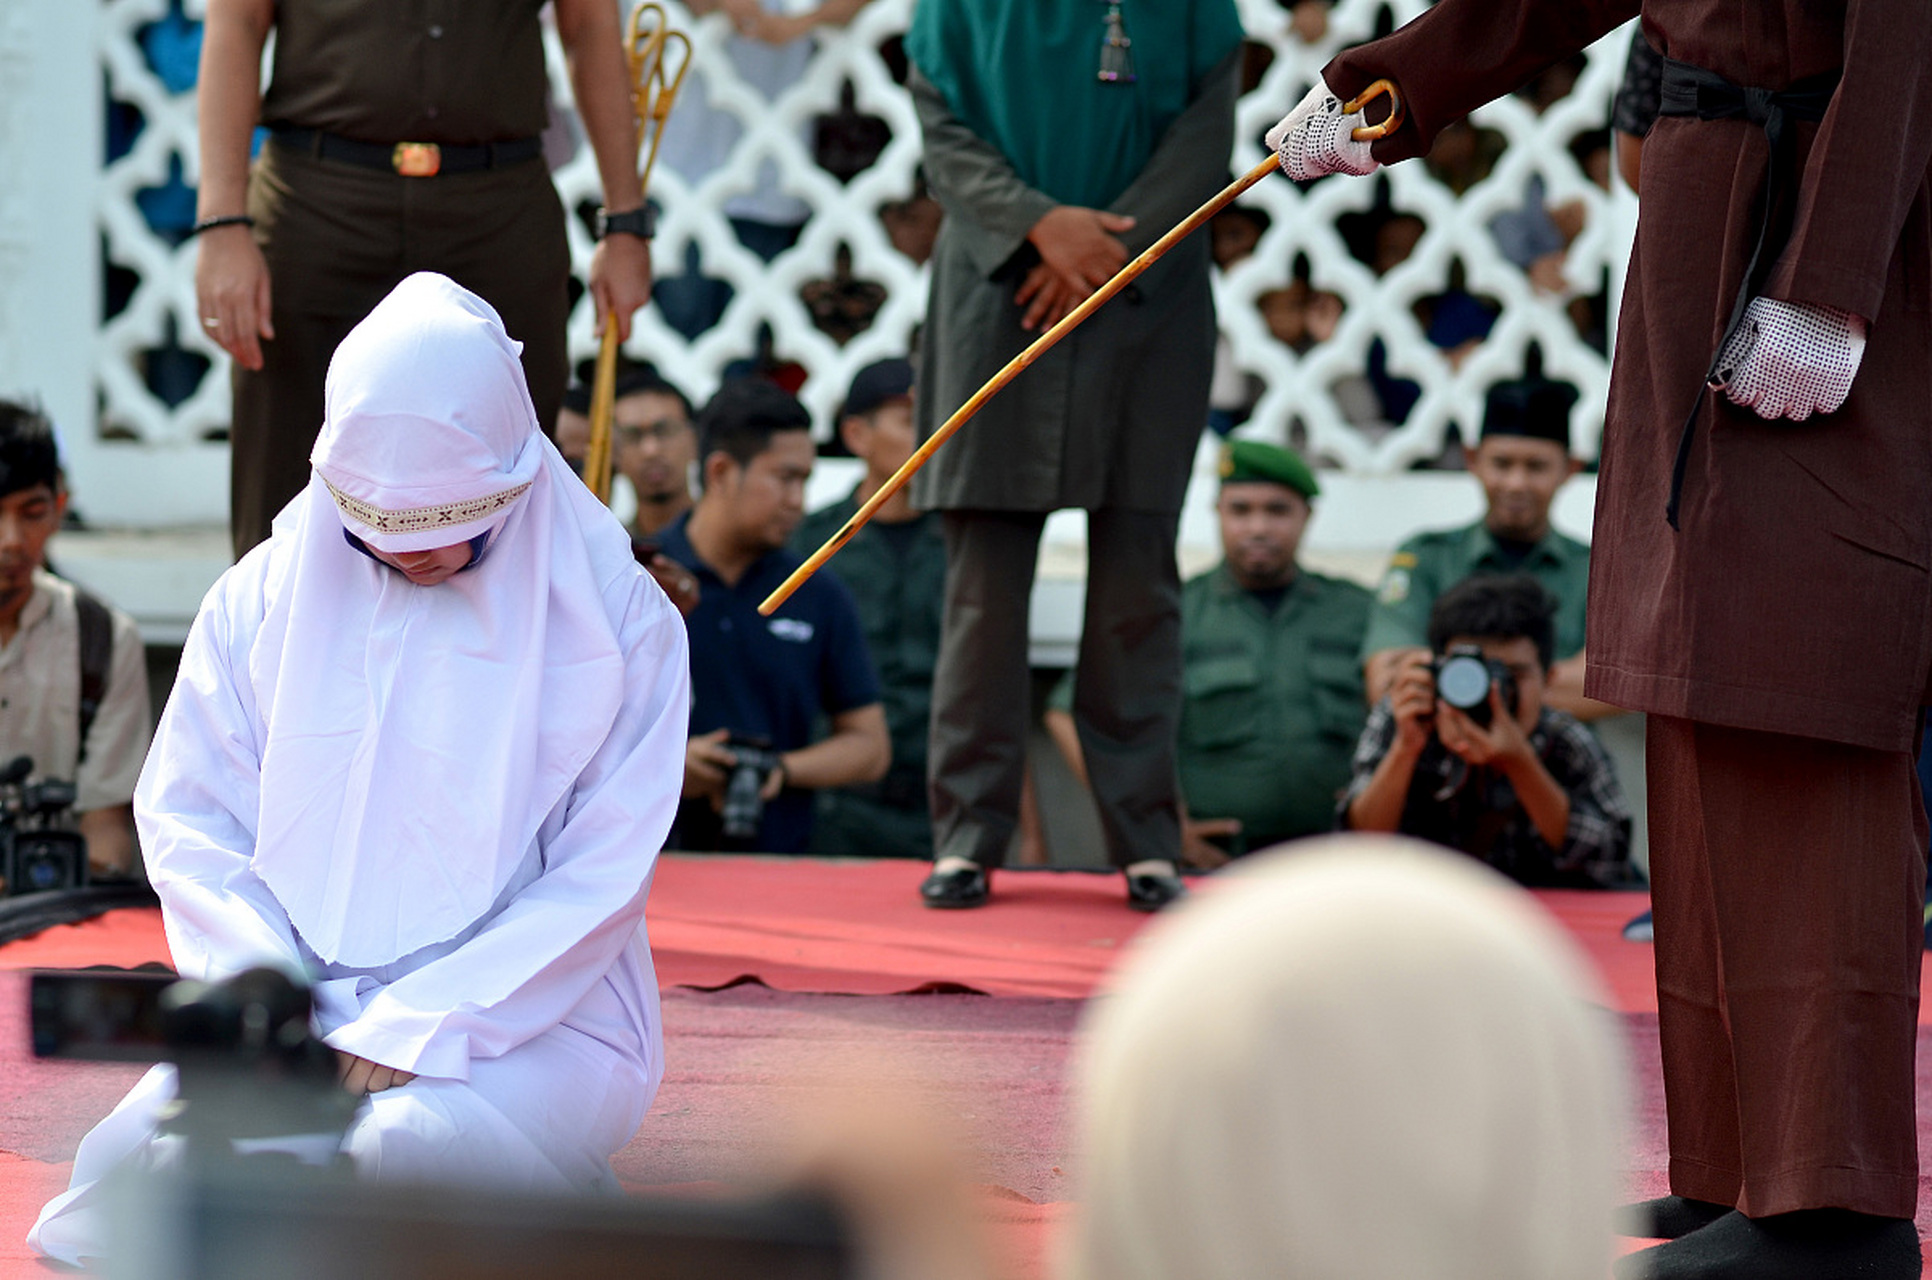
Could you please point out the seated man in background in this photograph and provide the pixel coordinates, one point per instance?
(1491, 770)
(654, 447)
(73, 676)
(760, 685)
(1521, 461)
(895, 568)
(1272, 693)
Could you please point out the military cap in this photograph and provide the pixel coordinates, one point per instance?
(1243, 460)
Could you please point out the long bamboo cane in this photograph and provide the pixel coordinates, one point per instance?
(1067, 324)
(653, 90)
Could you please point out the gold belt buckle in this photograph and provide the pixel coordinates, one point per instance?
(416, 159)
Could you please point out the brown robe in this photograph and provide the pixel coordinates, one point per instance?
(1781, 638)
(1796, 597)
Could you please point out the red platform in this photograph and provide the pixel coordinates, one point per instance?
(810, 936)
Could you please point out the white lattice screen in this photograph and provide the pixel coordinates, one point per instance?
(156, 456)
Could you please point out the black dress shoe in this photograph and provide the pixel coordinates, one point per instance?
(1152, 892)
(1667, 1217)
(1813, 1244)
(955, 890)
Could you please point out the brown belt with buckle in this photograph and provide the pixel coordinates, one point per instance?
(410, 159)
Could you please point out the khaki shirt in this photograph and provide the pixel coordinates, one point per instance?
(450, 71)
(1430, 563)
(40, 700)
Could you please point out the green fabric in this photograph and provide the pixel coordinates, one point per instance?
(1022, 74)
(1271, 702)
(1252, 460)
(897, 578)
(1430, 563)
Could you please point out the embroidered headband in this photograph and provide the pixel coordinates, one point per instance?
(420, 519)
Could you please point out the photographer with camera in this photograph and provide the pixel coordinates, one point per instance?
(761, 686)
(1463, 751)
(73, 680)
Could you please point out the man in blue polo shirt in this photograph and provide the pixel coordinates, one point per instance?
(760, 685)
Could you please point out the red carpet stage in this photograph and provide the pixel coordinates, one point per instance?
(780, 974)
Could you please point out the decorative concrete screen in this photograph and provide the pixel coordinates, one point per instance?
(1369, 317)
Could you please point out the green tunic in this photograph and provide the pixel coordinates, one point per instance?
(896, 574)
(1430, 563)
(1273, 702)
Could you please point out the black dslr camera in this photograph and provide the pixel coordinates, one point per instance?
(1464, 676)
(744, 801)
(39, 848)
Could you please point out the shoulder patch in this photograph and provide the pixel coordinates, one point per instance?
(1395, 585)
(1402, 560)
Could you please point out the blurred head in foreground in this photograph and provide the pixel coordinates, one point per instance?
(1358, 1059)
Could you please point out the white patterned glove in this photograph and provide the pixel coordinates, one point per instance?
(1315, 138)
(1791, 359)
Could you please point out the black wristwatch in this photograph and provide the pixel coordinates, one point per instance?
(640, 222)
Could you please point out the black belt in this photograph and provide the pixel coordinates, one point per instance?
(410, 159)
(1692, 91)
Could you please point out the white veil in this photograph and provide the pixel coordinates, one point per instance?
(417, 736)
(1358, 1059)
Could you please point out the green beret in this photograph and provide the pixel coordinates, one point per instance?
(1253, 460)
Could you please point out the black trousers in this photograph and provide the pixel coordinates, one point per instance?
(1127, 687)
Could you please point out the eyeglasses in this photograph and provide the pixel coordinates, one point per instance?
(1116, 56)
(664, 430)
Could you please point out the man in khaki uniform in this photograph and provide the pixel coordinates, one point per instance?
(401, 139)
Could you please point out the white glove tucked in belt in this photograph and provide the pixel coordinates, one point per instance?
(1791, 359)
(1315, 138)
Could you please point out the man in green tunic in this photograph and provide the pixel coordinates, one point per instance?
(1061, 144)
(1521, 461)
(895, 568)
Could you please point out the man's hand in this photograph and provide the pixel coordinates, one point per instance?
(1316, 138)
(678, 582)
(231, 288)
(1046, 297)
(1080, 246)
(620, 280)
(708, 764)
(1502, 743)
(360, 1076)
(1412, 700)
(1791, 359)
(1196, 849)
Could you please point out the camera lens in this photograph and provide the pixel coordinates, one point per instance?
(1463, 682)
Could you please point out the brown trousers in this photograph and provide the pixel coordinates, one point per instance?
(1787, 877)
(338, 238)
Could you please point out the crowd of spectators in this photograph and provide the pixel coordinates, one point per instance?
(1310, 702)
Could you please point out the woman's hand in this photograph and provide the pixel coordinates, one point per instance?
(360, 1076)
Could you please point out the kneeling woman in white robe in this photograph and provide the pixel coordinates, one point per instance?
(425, 745)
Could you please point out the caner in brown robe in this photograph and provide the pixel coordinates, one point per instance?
(1781, 637)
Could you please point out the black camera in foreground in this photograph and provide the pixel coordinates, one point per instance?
(1463, 679)
(250, 1069)
(744, 800)
(39, 848)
